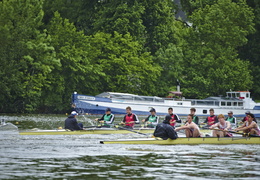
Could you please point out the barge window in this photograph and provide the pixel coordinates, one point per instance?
(235, 103)
(228, 103)
(223, 103)
(240, 104)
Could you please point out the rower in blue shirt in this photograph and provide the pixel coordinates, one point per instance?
(71, 122)
(164, 130)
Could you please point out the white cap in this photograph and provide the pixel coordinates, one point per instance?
(74, 113)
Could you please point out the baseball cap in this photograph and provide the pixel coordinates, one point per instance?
(74, 113)
(247, 112)
(152, 110)
(230, 112)
(108, 109)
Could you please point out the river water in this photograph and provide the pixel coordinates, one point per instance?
(83, 157)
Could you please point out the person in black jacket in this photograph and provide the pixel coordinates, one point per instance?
(71, 122)
(164, 130)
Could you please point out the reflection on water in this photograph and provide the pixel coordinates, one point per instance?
(82, 157)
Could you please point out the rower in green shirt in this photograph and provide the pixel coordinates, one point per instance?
(195, 118)
(231, 119)
(152, 120)
(107, 119)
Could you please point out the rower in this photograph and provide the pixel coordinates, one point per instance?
(195, 118)
(152, 120)
(211, 119)
(246, 118)
(107, 119)
(231, 119)
(174, 118)
(71, 122)
(130, 119)
(164, 130)
(249, 126)
(191, 128)
(223, 126)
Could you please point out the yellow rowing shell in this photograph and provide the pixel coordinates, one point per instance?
(88, 131)
(182, 140)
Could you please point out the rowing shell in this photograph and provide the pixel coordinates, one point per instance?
(184, 140)
(90, 131)
(87, 131)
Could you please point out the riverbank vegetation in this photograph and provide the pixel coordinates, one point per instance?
(49, 49)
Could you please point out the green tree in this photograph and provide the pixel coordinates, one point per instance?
(26, 55)
(211, 58)
(81, 13)
(171, 61)
(189, 6)
(123, 16)
(159, 21)
(250, 51)
(126, 67)
(76, 72)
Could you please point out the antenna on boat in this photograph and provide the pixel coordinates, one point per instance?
(178, 86)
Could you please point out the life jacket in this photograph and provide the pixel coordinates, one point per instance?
(172, 124)
(211, 120)
(230, 119)
(129, 119)
(194, 118)
(107, 117)
(152, 119)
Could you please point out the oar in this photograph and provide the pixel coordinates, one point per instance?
(92, 126)
(246, 134)
(132, 131)
(157, 138)
(228, 131)
(206, 126)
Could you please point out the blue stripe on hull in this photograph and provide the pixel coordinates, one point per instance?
(257, 108)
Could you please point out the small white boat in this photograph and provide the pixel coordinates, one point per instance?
(7, 126)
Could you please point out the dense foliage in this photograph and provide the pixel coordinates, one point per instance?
(49, 49)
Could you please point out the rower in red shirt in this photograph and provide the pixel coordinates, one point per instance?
(130, 119)
(245, 118)
(174, 118)
(211, 119)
